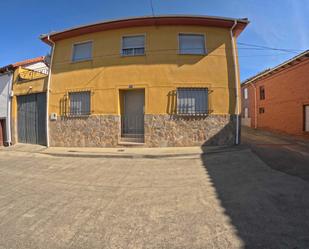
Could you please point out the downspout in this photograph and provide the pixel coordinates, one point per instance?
(48, 89)
(255, 106)
(237, 84)
(9, 110)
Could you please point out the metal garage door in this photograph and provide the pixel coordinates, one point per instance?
(31, 118)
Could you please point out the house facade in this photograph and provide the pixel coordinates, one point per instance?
(28, 98)
(160, 81)
(277, 99)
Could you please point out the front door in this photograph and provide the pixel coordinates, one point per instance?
(306, 117)
(132, 120)
(2, 131)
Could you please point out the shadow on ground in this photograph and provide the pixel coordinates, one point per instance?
(267, 208)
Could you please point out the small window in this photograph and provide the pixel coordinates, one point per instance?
(79, 103)
(192, 101)
(133, 45)
(246, 114)
(246, 93)
(191, 44)
(262, 92)
(82, 51)
(261, 110)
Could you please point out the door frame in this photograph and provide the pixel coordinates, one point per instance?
(139, 137)
(305, 118)
(3, 132)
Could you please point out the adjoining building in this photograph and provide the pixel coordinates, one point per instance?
(6, 79)
(160, 81)
(277, 99)
(25, 95)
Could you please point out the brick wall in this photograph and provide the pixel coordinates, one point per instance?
(286, 92)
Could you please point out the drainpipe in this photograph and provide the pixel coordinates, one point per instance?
(9, 110)
(237, 84)
(255, 106)
(48, 89)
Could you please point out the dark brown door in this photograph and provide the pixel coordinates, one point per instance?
(2, 132)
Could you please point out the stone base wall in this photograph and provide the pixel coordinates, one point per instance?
(160, 131)
(91, 131)
(166, 130)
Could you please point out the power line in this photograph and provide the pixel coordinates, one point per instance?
(161, 52)
(152, 10)
(271, 48)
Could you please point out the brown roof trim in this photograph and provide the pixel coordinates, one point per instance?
(149, 21)
(291, 62)
(22, 63)
(29, 61)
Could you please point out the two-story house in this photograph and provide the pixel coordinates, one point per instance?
(277, 99)
(159, 81)
(23, 101)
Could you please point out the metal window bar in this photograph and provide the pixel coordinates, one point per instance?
(80, 103)
(192, 101)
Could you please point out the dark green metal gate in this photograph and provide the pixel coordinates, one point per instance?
(31, 118)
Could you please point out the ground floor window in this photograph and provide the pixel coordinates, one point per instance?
(80, 103)
(261, 110)
(246, 114)
(192, 101)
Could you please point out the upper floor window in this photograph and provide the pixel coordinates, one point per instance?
(246, 93)
(192, 44)
(192, 101)
(80, 103)
(262, 92)
(133, 45)
(82, 51)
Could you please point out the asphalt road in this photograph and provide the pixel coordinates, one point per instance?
(225, 198)
(281, 152)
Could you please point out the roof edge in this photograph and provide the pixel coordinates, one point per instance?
(140, 21)
(270, 70)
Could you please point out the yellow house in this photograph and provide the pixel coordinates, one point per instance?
(28, 110)
(158, 81)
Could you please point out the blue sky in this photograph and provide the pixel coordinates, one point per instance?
(274, 23)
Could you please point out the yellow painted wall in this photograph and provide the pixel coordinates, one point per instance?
(160, 71)
(26, 87)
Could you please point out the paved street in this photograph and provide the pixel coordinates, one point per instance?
(223, 198)
(281, 152)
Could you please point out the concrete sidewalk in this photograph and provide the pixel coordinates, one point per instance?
(121, 152)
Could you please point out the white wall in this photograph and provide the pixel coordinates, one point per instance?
(37, 66)
(5, 101)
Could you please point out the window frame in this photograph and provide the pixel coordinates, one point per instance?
(193, 113)
(262, 89)
(71, 114)
(246, 112)
(132, 35)
(80, 43)
(261, 110)
(246, 93)
(193, 34)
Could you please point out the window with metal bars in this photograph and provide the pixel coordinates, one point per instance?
(192, 101)
(80, 103)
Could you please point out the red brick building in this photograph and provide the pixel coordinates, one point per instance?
(277, 99)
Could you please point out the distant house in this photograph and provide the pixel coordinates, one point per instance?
(159, 81)
(277, 99)
(24, 96)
